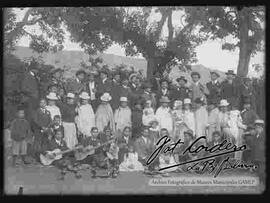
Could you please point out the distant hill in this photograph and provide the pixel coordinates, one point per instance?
(74, 58)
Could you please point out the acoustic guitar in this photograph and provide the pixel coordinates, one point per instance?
(88, 150)
(56, 154)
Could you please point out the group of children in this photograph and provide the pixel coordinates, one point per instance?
(124, 138)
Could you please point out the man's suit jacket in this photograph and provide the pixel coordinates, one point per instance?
(198, 91)
(230, 92)
(143, 149)
(160, 94)
(76, 87)
(180, 93)
(30, 85)
(214, 91)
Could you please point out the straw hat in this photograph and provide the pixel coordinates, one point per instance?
(52, 96)
(123, 99)
(106, 97)
(223, 102)
(259, 122)
(80, 72)
(132, 75)
(189, 132)
(164, 100)
(187, 101)
(70, 95)
(84, 95)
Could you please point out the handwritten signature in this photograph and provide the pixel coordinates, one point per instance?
(203, 163)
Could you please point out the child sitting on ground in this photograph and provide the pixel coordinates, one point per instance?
(20, 132)
(131, 162)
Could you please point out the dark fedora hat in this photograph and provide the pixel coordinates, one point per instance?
(195, 73)
(198, 100)
(247, 100)
(80, 72)
(214, 72)
(57, 70)
(181, 78)
(230, 72)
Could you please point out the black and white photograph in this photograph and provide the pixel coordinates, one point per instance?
(134, 100)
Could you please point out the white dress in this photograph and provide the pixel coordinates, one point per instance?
(85, 119)
(165, 161)
(54, 110)
(189, 120)
(148, 116)
(164, 117)
(201, 121)
(131, 163)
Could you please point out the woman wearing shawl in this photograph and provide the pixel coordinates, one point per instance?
(104, 113)
(201, 118)
(86, 117)
(188, 115)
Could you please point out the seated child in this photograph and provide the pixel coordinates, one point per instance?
(55, 125)
(131, 162)
(20, 133)
(166, 159)
(65, 163)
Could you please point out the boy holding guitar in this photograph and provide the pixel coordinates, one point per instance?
(57, 153)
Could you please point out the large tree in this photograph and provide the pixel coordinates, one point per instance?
(244, 24)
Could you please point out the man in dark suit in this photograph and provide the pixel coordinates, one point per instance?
(147, 94)
(156, 81)
(164, 91)
(78, 85)
(123, 143)
(91, 88)
(258, 149)
(181, 91)
(229, 88)
(30, 88)
(214, 87)
(104, 84)
(246, 91)
(144, 146)
(248, 114)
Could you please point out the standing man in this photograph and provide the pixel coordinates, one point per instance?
(214, 87)
(198, 90)
(164, 91)
(148, 94)
(156, 81)
(181, 91)
(229, 88)
(78, 85)
(92, 90)
(104, 84)
(246, 91)
(30, 88)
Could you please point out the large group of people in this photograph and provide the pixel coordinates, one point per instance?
(113, 121)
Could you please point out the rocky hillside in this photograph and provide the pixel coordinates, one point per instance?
(74, 58)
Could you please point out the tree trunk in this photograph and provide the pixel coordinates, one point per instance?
(151, 67)
(244, 47)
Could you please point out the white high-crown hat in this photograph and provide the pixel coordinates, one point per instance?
(224, 102)
(259, 121)
(84, 95)
(123, 99)
(70, 95)
(106, 97)
(187, 101)
(52, 96)
(178, 102)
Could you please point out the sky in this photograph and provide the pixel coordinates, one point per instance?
(208, 54)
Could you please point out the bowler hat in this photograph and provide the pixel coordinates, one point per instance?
(224, 102)
(259, 122)
(196, 73)
(132, 75)
(80, 72)
(230, 72)
(181, 78)
(106, 97)
(198, 100)
(84, 95)
(52, 96)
